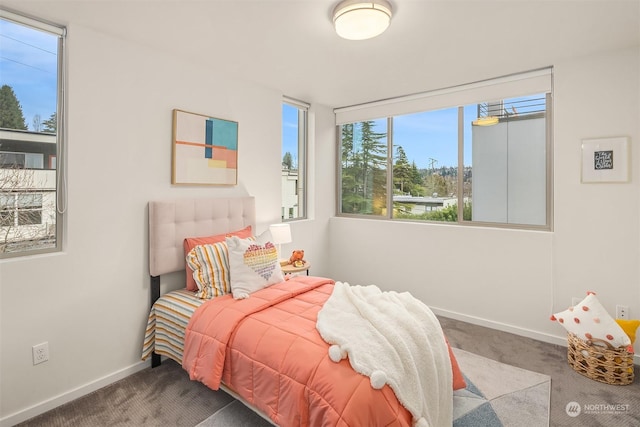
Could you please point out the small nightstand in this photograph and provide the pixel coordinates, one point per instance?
(289, 268)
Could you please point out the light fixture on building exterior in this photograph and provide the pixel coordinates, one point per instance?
(360, 20)
(486, 121)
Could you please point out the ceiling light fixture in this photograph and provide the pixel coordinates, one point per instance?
(360, 20)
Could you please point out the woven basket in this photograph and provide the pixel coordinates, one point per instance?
(600, 361)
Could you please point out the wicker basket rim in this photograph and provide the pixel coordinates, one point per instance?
(594, 342)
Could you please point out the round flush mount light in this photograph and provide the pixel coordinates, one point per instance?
(360, 20)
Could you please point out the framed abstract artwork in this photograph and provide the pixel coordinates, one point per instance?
(205, 150)
(605, 160)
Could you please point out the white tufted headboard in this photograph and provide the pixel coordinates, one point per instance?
(171, 221)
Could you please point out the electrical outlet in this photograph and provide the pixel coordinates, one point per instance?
(40, 353)
(622, 312)
(575, 301)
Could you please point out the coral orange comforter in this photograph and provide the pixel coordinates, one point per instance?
(266, 348)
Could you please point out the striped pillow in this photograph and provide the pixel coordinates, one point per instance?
(210, 265)
(191, 242)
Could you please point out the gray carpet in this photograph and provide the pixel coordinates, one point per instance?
(165, 396)
(237, 415)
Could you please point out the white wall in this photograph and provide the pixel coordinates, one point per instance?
(90, 302)
(513, 280)
(596, 243)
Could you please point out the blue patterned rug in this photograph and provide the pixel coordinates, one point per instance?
(496, 395)
(499, 394)
(471, 408)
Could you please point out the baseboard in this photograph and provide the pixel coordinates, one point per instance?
(516, 330)
(66, 397)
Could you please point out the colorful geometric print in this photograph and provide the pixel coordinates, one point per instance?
(221, 143)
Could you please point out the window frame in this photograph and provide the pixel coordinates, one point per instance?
(376, 107)
(60, 32)
(301, 182)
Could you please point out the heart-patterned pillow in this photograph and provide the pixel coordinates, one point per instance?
(253, 264)
(261, 259)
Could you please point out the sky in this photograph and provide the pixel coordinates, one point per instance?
(28, 63)
(290, 131)
(423, 136)
(431, 138)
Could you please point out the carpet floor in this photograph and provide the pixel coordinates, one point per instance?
(165, 396)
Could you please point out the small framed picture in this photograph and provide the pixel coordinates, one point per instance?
(605, 160)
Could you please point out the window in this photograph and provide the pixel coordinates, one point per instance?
(438, 158)
(293, 167)
(364, 167)
(21, 160)
(425, 165)
(31, 135)
(29, 208)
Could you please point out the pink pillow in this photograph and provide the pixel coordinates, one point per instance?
(192, 242)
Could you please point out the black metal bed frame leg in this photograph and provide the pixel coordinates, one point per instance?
(155, 360)
(154, 291)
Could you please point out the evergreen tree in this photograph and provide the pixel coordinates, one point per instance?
(347, 145)
(364, 171)
(351, 197)
(51, 124)
(374, 174)
(417, 182)
(287, 161)
(407, 177)
(402, 172)
(11, 116)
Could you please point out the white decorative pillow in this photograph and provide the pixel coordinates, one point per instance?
(253, 264)
(588, 319)
(210, 265)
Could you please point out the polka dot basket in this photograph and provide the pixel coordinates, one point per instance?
(599, 360)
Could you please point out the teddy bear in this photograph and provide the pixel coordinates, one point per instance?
(297, 258)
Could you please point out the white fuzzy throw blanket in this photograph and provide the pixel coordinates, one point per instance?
(393, 338)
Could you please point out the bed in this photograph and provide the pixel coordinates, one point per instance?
(264, 350)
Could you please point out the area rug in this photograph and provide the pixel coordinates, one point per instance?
(500, 395)
(496, 395)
